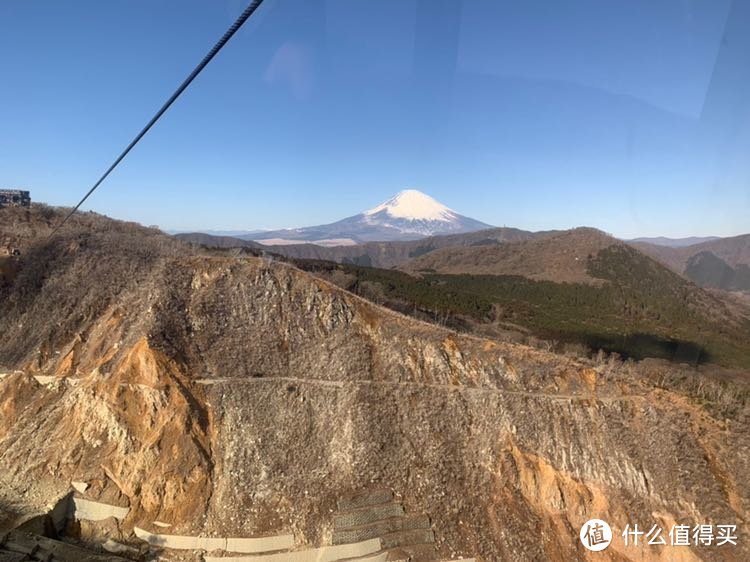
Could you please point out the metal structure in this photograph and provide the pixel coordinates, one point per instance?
(14, 198)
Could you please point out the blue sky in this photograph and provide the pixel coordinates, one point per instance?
(632, 116)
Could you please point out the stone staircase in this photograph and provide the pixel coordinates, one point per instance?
(376, 514)
(369, 526)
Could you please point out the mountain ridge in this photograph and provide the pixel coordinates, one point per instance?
(674, 242)
(374, 254)
(559, 257)
(722, 263)
(409, 215)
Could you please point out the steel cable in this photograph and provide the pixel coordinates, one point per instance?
(211, 54)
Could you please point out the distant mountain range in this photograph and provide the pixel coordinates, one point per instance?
(409, 215)
(371, 254)
(675, 242)
(721, 263)
(414, 232)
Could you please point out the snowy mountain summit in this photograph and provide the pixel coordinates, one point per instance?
(412, 212)
(413, 205)
(409, 215)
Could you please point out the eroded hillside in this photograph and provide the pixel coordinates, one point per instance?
(237, 396)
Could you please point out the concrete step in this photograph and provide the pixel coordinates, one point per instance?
(83, 509)
(381, 556)
(322, 554)
(228, 544)
(365, 499)
(414, 553)
(420, 553)
(397, 555)
(401, 539)
(365, 515)
(380, 528)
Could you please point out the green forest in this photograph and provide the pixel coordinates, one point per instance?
(637, 309)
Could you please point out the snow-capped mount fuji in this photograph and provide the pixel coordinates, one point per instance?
(409, 215)
(413, 212)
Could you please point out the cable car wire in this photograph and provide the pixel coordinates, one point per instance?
(211, 54)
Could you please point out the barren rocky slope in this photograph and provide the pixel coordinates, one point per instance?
(240, 396)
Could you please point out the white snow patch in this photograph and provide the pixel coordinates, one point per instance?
(323, 242)
(414, 205)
